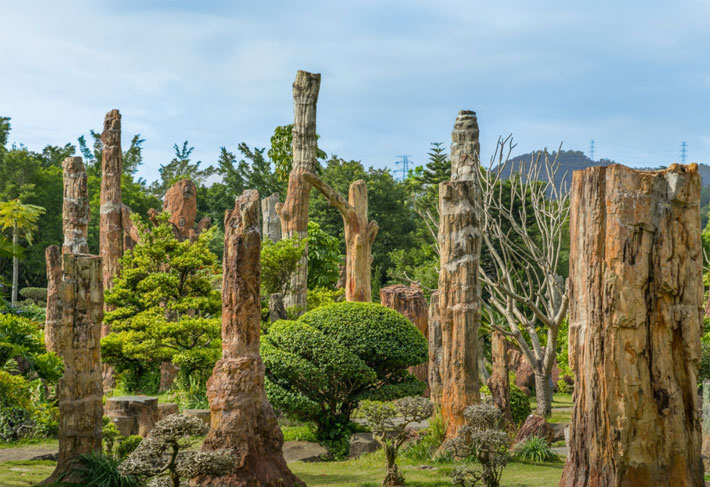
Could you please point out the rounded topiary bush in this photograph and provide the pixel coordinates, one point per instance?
(319, 367)
(519, 404)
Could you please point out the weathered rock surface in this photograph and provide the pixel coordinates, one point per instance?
(75, 210)
(77, 335)
(410, 302)
(168, 374)
(53, 314)
(538, 426)
(277, 311)
(362, 443)
(270, 221)
(359, 235)
(165, 409)
(459, 287)
(636, 316)
(133, 415)
(434, 325)
(498, 382)
(242, 418)
(181, 202)
(111, 215)
(204, 414)
(294, 211)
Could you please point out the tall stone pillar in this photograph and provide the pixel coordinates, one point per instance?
(242, 418)
(271, 223)
(410, 302)
(459, 288)
(53, 313)
(294, 211)
(75, 211)
(434, 365)
(636, 317)
(77, 338)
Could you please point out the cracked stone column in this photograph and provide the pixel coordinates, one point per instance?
(242, 418)
(75, 210)
(459, 288)
(78, 341)
(636, 317)
(271, 223)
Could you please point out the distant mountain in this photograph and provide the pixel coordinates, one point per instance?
(571, 161)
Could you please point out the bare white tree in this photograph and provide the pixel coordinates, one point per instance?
(524, 209)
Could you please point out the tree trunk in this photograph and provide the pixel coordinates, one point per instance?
(110, 217)
(459, 288)
(543, 394)
(181, 202)
(271, 223)
(294, 211)
(75, 209)
(410, 302)
(242, 418)
(636, 317)
(53, 314)
(498, 382)
(78, 343)
(15, 264)
(359, 235)
(434, 349)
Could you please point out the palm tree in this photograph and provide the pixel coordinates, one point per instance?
(22, 219)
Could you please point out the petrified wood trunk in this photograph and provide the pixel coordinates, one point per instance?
(53, 258)
(242, 418)
(459, 288)
(498, 382)
(181, 202)
(410, 302)
(271, 223)
(294, 211)
(359, 235)
(277, 310)
(78, 334)
(75, 211)
(434, 365)
(636, 315)
(111, 214)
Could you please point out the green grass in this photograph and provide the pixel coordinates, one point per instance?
(368, 471)
(25, 473)
(33, 443)
(299, 433)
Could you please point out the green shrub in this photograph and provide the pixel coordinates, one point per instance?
(299, 433)
(97, 469)
(15, 424)
(535, 449)
(323, 258)
(34, 293)
(127, 444)
(564, 387)
(519, 404)
(427, 447)
(321, 366)
(704, 372)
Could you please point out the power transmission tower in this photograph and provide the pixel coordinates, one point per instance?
(683, 152)
(591, 149)
(405, 165)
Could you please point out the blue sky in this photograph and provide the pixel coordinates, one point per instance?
(634, 76)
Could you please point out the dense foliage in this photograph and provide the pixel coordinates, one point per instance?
(166, 306)
(365, 346)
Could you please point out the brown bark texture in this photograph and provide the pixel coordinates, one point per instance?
(181, 202)
(111, 214)
(434, 325)
(294, 211)
(410, 302)
(53, 314)
(242, 418)
(498, 382)
(459, 287)
(75, 210)
(636, 317)
(78, 335)
(359, 235)
(271, 223)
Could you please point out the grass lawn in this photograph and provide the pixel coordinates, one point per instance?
(367, 471)
(25, 473)
(33, 443)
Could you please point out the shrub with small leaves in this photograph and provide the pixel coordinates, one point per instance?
(482, 437)
(519, 404)
(161, 458)
(389, 423)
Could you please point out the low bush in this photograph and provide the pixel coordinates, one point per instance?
(97, 469)
(519, 404)
(321, 366)
(535, 449)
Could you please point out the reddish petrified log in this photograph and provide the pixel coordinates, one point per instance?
(434, 325)
(242, 418)
(294, 211)
(498, 382)
(75, 210)
(459, 288)
(410, 302)
(636, 317)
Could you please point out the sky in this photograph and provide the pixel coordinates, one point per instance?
(634, 76)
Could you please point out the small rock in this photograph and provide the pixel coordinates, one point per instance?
(361, 443)
(203, 414)
(166, 409)
(49, 456)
